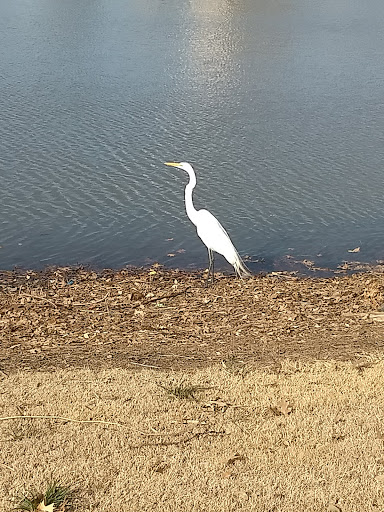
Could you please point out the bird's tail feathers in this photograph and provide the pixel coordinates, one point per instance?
(241, 268)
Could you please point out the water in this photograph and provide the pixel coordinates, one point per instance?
(278, 104)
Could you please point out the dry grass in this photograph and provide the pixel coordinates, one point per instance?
(255, 440)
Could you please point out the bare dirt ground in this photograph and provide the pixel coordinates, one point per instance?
(79, 318)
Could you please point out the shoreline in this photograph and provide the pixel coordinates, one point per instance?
(300, 268)
(286, 265)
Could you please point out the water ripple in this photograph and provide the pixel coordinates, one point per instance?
(282, 120)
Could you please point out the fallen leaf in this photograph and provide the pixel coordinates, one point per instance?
(333, 507)
(217, 405)
(243, 495)
(356, 249)
(361, 367)
(160, 467)
(235, 458)
(180, 251)
(282, 407)
(42, 507)
(171, 255)
(135, 295)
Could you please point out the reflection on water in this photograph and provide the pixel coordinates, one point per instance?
(211, 45)
(277, 104)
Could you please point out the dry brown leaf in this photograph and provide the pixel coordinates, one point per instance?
(137, 295)
(44, 508)
(170, 255)
(356, 249)
(243, 495)
(217, 405)
(282, 407)
(161, 467)
(333, 507)
(234, 459)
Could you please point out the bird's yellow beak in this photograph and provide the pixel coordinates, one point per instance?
(172, 164)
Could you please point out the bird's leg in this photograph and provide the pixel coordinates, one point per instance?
(210, 258)
(213, 266)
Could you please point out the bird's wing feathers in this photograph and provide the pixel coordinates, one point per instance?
(214, 236)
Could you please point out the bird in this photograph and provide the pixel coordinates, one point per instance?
(209, 229)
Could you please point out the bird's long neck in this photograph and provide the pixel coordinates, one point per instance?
(191, 210)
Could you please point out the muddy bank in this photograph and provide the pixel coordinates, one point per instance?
(66, 317)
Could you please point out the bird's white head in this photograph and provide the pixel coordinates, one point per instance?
(181, 165)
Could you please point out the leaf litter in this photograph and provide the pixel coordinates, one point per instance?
(67, 316)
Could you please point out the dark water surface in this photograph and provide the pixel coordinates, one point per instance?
(278, 103)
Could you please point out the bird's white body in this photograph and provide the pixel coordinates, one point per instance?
(209, 229)
(214, 236)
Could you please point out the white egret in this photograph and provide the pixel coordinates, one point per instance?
(209, 228)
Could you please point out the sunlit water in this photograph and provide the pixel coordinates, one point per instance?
(278, 104)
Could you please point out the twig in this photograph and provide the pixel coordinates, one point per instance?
(170, 296)
(163, 434)
(147, 365)
(175, 355)
(5, 465)
(192, 434)
(243, 429)
(90, 303)
(60, 418)
(37, 297)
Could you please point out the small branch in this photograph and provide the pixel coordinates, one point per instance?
(182, 441)
(60, 418)
(164, 434)
(40, 298)
(146, 365)
(175, 355)
(170, 296)
(90, 303)
(5, 465)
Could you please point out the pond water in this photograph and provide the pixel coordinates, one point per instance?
(278, 104)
